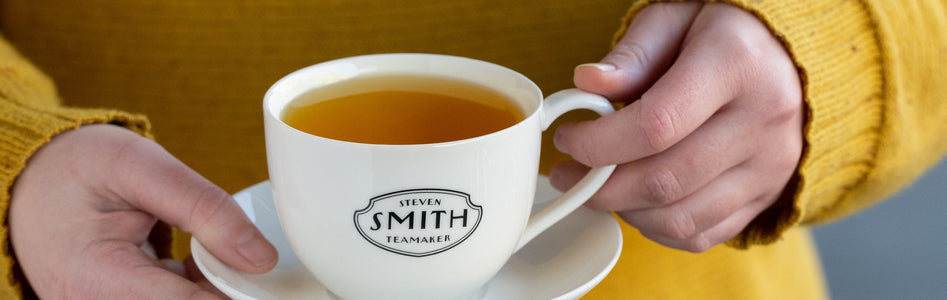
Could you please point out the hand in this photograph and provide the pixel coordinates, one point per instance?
(87, 201)
(714, 135)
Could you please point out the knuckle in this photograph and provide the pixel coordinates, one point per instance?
(679, 226)
(788, 96)
(789, 107)
(743, 48)
(631, 52)
(783, 152)
(788, 157)
(208, 205)
(783, 100)
(662, 187)
(659, 126)
(745, 60)
(784, 109)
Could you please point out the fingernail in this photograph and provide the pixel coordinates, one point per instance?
(254, 248)
(601, 66)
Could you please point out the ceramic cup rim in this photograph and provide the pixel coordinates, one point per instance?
(287, 88)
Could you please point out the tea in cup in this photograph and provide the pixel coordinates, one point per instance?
(412, 176)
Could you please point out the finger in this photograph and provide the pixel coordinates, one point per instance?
(720, 210)
(662, 179)
(665, 178)
(694, 225)
(679, 223)
(644, 52)
(718, 234)
(710, 216)
(733, 225)
(154, 181)
(124, 272)
(697, 85)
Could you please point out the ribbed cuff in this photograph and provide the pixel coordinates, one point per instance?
(835, 47)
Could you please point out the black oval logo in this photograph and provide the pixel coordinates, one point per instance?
(418, 222)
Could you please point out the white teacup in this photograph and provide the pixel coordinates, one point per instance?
(425, 221)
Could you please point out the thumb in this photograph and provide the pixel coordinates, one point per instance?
(644, 52)
(152, 180)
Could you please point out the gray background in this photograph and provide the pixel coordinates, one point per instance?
(894, 250)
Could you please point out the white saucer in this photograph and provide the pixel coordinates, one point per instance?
(564, 262)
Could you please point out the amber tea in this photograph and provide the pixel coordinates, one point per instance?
(402, 109)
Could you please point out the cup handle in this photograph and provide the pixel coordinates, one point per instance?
(555, 106)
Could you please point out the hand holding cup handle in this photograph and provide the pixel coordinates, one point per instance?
(555, 106)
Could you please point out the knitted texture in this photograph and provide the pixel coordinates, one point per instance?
(29, 117)
(871, 82)
(872, 74)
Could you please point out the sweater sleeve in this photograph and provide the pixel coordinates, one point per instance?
(30, 115)
(873, 75)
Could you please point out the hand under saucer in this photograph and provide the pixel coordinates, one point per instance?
(564, 262)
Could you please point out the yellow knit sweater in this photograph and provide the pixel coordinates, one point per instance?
(873, 73)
